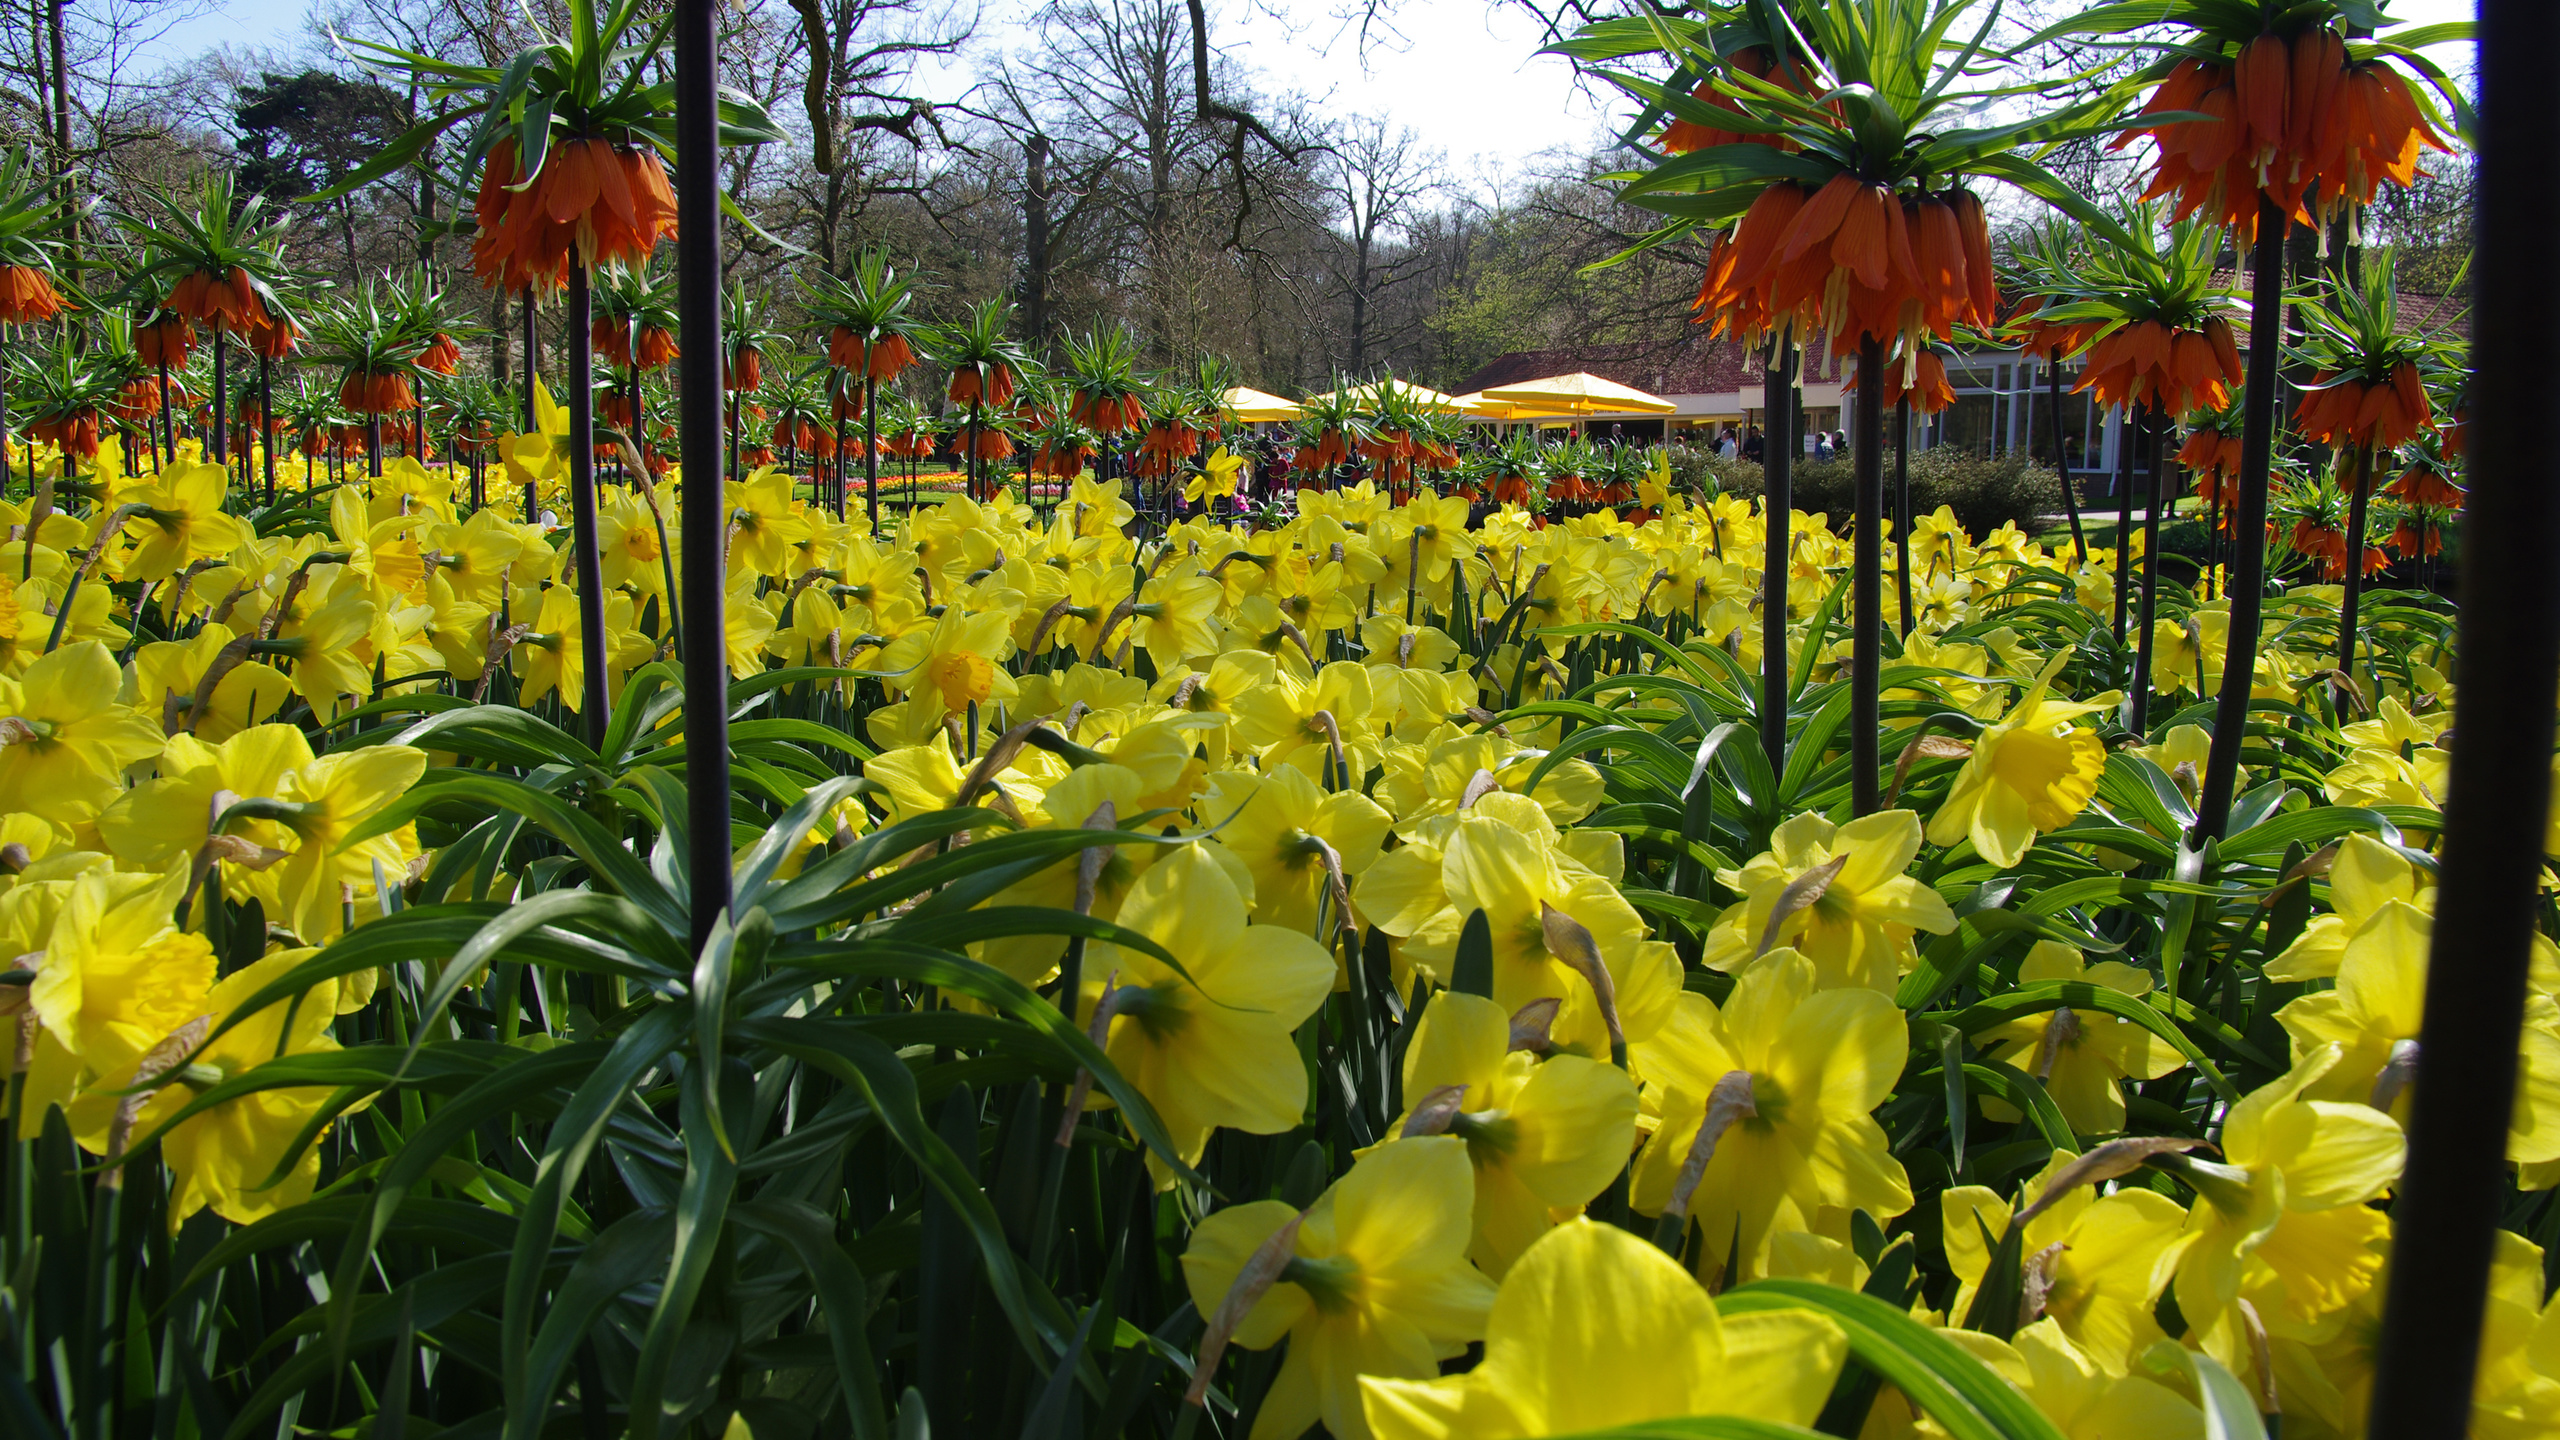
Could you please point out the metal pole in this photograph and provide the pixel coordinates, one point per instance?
(1902, 504)
(2126, 430)
(4, 434)
(531, 367)
(582, 497)
(1778, 401)
(871, 448)
(2155, 423)
(1866, 583)
(267, 426)
(2062, 462)
(706, 666)
(2249, 526)
(2445, 1219)
(221, 436)
(2358, 509)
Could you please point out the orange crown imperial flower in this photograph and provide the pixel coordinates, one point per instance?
(994, 389)
(277, 340)
(2172, 367)
(612, 204)
(2424, 484)
(165, 341)
(441, 357)
(1856, 260)
(75, 435)
(1930, 390)
(657, 347)
(746, 369)
(2350, 411)
(27, 296)
(2416, 536)
(2293, 120)
(228, 303)
(1107, 414)
(882, 361)
(369, 393)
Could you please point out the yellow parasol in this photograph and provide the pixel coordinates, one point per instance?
(1474, 403)
(1418, 397)
(1576, 394)
(1255, 406)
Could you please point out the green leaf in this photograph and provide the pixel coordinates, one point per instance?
(2042, 996)
(1959, 1392)
(1701, 1427)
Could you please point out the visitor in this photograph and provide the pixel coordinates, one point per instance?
(1821, 443)
(1726, 446)
(1753, 447)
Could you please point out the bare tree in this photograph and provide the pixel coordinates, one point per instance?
(1378, 178)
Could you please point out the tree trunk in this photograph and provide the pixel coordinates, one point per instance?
(2249, 526)
(1035, 238)
(68, 173)
(1866, 583)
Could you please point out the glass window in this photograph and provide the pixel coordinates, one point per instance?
(1967, 424)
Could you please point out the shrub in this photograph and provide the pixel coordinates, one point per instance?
(1982, 492)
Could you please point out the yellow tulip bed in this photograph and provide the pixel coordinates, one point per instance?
(1370, 972)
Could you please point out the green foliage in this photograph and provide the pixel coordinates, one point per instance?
(1984, 493)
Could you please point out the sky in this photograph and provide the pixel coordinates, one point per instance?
(1464, 75)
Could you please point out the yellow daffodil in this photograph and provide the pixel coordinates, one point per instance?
(1857, 928)
(1595, 1328)
(1214, 1049)
(2082, 1056)
(222, 1157)
(2030, 772)
(2373, 1020)
(2089, 1400)
(2283, 1223)
(117, 974)
(1545, 1135)
(1797, 1129)
(64, 738)
(1217, 477)
(2099, 1262)
(764, 523)
(183, 524)
(1376, 1284)
(955, 664)
(1294, 838)
(2364, 876)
